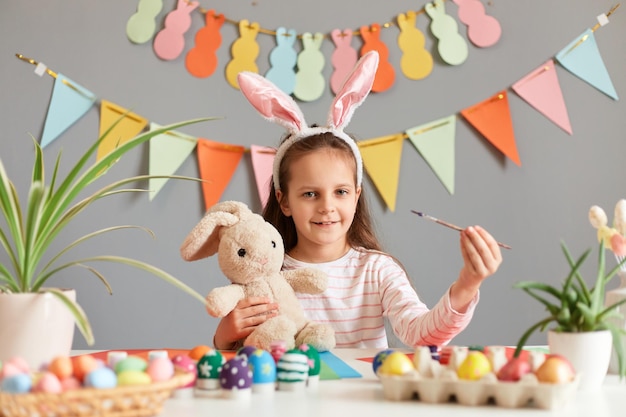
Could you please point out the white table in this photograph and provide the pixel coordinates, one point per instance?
(363, 397)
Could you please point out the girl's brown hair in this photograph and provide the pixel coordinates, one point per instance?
(360, 234)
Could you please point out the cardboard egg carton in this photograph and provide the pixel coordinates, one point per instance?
(433, 383)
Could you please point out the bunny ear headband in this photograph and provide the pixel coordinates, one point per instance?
(277, 107)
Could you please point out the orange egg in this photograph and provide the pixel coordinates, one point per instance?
(83, 364)
(555, 369)
(198, 352)
(61, 366)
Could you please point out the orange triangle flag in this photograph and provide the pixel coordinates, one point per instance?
(127, 128)
(381, 158)
(217, 162)
(492, 118)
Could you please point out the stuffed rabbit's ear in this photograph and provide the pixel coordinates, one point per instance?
(204, 239)
(271, 102)
(354, 91)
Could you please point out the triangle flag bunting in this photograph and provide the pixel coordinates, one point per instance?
(541, 89)
(492, 118)
(582, 58)
(381, 158)
(262, 164)
(168, 151)
(69, 102)
(435, 142)
(128, 127)
(217, 162)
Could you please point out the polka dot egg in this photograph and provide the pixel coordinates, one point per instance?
(236, 376)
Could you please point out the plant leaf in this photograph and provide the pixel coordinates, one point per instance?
(79, 315)
(43, 275)
(139, 265)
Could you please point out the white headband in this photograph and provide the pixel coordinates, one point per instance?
(277, 107)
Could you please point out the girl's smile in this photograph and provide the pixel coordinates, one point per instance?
(321, 199)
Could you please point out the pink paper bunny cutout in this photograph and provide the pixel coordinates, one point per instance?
(170, 41)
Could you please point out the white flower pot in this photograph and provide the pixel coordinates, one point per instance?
(588, 352)
(36, 327)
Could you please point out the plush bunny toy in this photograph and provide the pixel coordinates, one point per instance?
(250, 253)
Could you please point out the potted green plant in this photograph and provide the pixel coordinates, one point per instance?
(576, 308)
(27, 235)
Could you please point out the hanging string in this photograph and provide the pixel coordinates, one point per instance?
(386, 25)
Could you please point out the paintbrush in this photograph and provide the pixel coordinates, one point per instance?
(450, 225)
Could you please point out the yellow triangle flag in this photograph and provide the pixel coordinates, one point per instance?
(127, 128)
(381, 158)
(435, 142)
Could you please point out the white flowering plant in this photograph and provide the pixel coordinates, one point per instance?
(577, 307)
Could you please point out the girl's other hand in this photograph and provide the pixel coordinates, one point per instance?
(239, 323)
(481, 255)
(481, 258)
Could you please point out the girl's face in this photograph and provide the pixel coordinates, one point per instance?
(322, 200)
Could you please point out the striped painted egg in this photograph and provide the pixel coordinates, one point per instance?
(292, 369)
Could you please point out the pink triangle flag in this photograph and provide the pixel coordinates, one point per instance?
(262, 162)
(69, 103)
(435, 142)
(541, 89)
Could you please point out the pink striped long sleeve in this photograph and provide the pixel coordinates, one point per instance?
(364, 288)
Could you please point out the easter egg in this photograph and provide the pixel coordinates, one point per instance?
(514, 369)
(292, 370)
(198, 351)
(160, 369)
(102, 377)
(82, 365)
(313, 355)
(61, 366)
(396, 363)
(70, 383)
(10, 369)
(236, 377)
(263, 369)
(183, 363)
(48, 382)
(209, 367)
(131, 363)
(133, 377)
(20, 363)
(556, 369)
(16, 384)
(114, 356)
(246, 351)
(475, 366)
(379, 358)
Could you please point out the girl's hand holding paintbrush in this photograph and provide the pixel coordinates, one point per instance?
(481, 258)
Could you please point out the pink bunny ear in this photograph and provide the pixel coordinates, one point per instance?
(271, 102)
(354, 91)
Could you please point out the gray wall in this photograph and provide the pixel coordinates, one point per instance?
(531, 207)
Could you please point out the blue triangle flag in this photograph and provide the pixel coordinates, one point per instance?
(582, 58)
(69, 103)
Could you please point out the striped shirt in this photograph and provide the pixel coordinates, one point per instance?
(364, 287)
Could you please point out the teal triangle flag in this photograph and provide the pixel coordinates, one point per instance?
(582, 58)
(168, 151)
(69, 103)
(435, 142)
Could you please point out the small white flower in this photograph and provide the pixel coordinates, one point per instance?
(597, 217)
(619, 219)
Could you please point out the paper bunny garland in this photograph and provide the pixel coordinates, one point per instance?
(277, 107)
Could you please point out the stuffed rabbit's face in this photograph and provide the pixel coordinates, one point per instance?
(250, 250)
